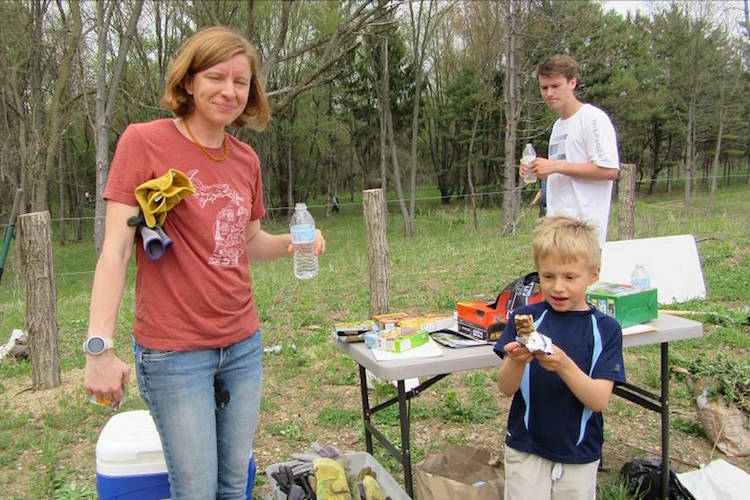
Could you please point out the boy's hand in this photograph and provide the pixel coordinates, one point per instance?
(555, 362)
(542, 167)
(518, 352)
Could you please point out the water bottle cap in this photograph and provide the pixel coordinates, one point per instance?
(300, 206)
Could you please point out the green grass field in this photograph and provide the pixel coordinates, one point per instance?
(47, 438)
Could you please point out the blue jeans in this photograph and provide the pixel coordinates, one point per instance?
(205, 404)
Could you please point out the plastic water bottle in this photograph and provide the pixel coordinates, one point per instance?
(302, 229)
(639, 277)
(529, 155)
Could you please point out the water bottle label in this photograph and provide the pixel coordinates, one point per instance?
(302, 233)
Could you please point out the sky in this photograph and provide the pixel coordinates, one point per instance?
(625, 6)
(729, 12)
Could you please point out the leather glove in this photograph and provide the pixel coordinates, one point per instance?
(331, 478)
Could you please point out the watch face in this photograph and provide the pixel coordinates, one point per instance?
(95, 345)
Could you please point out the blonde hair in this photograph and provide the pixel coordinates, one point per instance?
(206, 48)
(567, 239)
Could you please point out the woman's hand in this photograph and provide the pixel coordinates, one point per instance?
(318, 249)
(106, 376)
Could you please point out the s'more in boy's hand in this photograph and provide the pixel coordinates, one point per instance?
(530, 338)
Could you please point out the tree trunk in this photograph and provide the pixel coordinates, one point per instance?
(55, 114)
(689, 154)
(289, 161)
(419, 49)
(384, 100)
(396, 169)
(469, 172)
(105, 101)
(626, 197)
(378, 253)
(715, 165)
(41, 300)
(61, 161)
(511, 196)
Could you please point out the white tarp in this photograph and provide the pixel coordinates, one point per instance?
(672, 263)
(718, 480)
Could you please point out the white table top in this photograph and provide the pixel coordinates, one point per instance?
(668, 329)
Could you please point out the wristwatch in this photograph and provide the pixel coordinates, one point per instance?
(96, 345)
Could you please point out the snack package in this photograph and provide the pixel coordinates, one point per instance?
(530, 338)
(105, 401)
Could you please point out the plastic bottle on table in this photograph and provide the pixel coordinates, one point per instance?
(302, 229)
(639, 277)
(529, 155)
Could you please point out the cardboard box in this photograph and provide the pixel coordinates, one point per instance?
(480, 320)
(627, 304)
(396, 339)
(429, 322)
(389, 320)
(355, 327)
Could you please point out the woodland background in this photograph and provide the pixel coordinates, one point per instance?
(440, 127)
(453, 106)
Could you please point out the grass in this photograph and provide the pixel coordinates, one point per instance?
(310, 391)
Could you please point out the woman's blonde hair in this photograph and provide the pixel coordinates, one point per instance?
(567, 239)
(206, 48)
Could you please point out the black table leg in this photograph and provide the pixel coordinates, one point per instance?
(664, 420)
(365, 408)
(405, 447)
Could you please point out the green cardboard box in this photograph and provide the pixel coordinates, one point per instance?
(627, 304)
(396, 340)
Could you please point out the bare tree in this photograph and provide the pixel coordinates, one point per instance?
(513, 98)
(106, 92)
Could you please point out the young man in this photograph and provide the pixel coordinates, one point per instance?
(583, 159)
(555, 426)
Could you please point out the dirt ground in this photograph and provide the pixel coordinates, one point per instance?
(630, 431)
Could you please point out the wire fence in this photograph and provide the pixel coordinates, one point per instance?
(675, 205)
(397, 201)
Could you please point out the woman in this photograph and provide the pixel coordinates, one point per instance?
(197, 338)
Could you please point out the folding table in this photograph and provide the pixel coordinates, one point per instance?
(668, 329)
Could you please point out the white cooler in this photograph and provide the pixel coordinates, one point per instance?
(130, 463)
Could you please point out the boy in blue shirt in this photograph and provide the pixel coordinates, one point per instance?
(555, 426)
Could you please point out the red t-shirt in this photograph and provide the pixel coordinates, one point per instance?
(198, 295)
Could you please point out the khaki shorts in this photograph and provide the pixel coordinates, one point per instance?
(531, 477)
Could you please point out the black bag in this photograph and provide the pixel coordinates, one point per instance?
(643, 478)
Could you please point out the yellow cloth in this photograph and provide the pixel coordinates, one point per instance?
(372, 489)
(331, 478)
(157, 196)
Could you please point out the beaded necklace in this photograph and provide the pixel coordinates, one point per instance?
(224, 143)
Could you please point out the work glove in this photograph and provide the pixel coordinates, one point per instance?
(369, 489)
(158, 196)
(331, 480)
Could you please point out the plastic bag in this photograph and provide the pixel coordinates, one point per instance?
(644, 481)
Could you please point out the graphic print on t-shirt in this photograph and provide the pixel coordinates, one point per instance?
(557, 147)
(230, 223)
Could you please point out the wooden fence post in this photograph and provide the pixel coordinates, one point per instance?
(626, 199)
(377, 251)
(41, 299)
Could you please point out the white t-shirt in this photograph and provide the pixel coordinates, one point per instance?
(587, 136)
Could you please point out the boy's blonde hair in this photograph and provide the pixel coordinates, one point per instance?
(207, 48)
(567, 239)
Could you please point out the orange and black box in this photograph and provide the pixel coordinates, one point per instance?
(480, 320)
